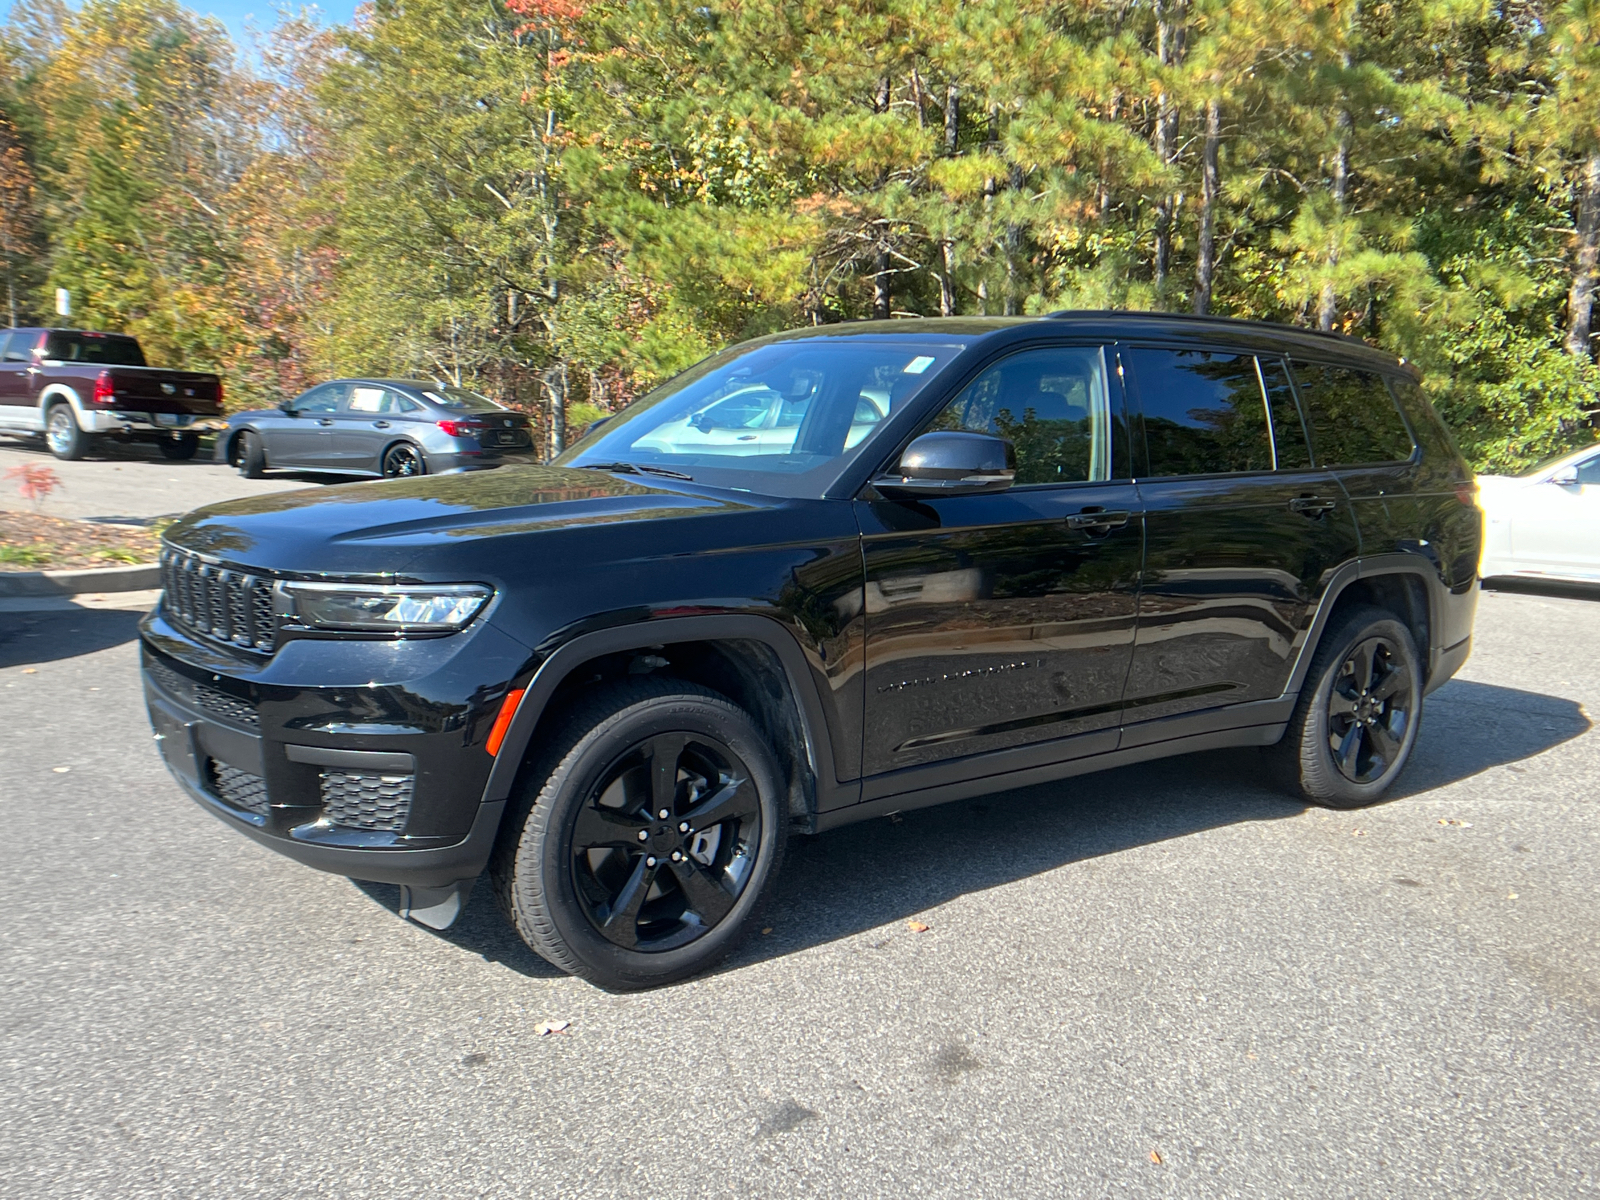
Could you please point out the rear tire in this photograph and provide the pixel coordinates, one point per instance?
(403, 461)
(251, 456)
(181, 448)
(1357, 718)
(575, 879)
(62, 435)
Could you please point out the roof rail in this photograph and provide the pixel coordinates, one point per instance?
(1173, 316)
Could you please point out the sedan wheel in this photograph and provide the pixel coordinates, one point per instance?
(402, 461)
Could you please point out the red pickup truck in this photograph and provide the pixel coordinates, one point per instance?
(72, 386)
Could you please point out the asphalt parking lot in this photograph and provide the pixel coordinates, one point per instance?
(132, 482)
(1163, 981)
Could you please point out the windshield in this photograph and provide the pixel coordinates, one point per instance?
(461, 400)
(781, 418)
(108, 350)
(1546, 463)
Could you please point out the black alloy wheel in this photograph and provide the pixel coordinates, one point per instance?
(665, 842)
(402, 461)
(642, 845)
(1359, 710)
(1369, 710)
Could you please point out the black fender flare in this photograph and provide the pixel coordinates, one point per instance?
(1416, 564)
(831, 792)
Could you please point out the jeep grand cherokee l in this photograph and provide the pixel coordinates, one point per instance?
(618, 682)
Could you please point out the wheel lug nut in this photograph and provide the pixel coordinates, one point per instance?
(644, 835)
(683, 827)
(650, 862)
(664, 814)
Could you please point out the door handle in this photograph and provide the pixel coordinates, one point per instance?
(1095, 517)
(1312, 506)
(324, 420)
(380, 424)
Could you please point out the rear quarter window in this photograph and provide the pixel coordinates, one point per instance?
(1354, 420)
(102, 349)
(1432, 432)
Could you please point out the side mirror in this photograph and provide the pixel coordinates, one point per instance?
(288, 409)
(1566, 477)
(951, 464)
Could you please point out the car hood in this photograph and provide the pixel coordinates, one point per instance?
(385, 527)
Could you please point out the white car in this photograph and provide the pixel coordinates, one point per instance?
(1544, 524)
(754, 420)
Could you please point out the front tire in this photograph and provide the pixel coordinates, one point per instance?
(1358, 714)
(62, 435)
(252, 457)
(591, 895)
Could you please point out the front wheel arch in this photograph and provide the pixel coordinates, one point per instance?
(805, 741)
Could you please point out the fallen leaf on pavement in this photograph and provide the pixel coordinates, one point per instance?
(1511, 895)
(917, 927)
(1358, 833)
(30, 670)
(766, 931)
(61, 770)
(545, 1028)
(1155, 1157)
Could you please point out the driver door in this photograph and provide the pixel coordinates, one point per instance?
(1006, 620)
(304, 438)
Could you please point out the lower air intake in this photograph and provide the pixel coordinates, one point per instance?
(238, 788)
(356, 800)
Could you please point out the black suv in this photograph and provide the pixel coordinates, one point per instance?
(821, 577)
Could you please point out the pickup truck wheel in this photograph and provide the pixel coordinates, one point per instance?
(402, 460)
(1357, 717)
(642, 845)
(61, 433)
(250, 456)
(181, 448)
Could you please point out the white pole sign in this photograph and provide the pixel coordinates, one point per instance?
(64, 302)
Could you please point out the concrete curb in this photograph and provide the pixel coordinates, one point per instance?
(136, 578)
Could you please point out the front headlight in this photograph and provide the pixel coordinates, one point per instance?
(402, 609)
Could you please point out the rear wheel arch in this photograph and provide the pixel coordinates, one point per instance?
(1402, 584)
(751, 660)
(397, 443)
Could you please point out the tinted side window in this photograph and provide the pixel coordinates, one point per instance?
(1353, 418)
(1589, 470)
(1052, 404)
(1431, 431)
(324, 399)
(13, 347)
(1288, 432)
(1204, 413)
(365, 400)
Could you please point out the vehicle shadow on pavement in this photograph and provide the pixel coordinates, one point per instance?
(882, 871)
(50, 635)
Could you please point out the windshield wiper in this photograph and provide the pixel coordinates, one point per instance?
(627, 468)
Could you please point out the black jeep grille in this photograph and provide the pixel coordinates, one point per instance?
(356, 800)
(203, 696)
(217, 602)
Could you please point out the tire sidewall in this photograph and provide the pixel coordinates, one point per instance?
(79, 443)
(546, 843)
(251, 454)
(1317, 757)
(422, 462)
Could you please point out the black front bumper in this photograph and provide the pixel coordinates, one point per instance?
(326, 805)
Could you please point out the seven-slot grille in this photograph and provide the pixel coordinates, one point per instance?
(230, 606)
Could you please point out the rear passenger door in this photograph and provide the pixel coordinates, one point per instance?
(363, 426)
(1242, 533)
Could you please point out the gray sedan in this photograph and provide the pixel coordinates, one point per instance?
(388, 427)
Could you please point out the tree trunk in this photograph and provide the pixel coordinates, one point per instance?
(947, 287)
(1580, 298)
(952, 118)
(1206, 268)
(555, 382)
(880, 287)
(1328, 307)
(1171, 36)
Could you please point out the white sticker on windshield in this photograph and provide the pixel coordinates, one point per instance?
(918, 365)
